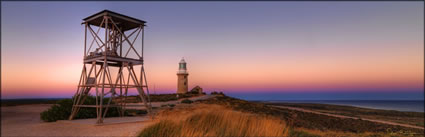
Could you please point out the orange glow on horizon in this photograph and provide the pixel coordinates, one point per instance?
(293, 48)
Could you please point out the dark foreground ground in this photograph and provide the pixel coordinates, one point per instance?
(308, 122)
(312, 121)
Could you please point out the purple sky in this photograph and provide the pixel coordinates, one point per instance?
(362, 48)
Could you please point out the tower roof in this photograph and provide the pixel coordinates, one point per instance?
(182, 61)
(126, 22)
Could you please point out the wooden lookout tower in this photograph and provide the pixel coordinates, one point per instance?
(113, 53)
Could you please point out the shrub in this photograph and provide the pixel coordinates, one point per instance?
(62, 110)
(187, 101)
(59, 111)
(217, 93)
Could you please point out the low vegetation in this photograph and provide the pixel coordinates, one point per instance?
(412, 118)
(62, 110)
(160, 97)
(187, 101)
(214, 120)
(217, 93)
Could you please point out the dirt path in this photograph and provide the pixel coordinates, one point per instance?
(25, 120)
(341, 116)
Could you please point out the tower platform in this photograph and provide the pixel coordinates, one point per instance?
(112, 60)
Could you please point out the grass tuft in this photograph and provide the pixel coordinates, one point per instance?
(214, 120)
(187, 101)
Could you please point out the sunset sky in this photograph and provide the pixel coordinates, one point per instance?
(252, 50)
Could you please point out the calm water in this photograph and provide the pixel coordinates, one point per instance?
(400, 105)
(401, 101)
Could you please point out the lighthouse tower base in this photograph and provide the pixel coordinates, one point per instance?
(182, 85)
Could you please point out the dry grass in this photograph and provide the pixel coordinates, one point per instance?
(214, 120)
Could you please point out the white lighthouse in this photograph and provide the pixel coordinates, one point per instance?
(182, 85)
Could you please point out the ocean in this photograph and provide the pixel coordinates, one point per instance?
(400, 105)
(401, 101)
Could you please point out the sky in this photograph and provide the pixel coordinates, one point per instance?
(276, 50)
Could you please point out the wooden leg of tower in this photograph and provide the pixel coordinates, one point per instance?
(75, 107)
(125, 103)
(97, 101)
(147, 89)
(81, 98)
(126, 91)
(99, 117)
(78, 88)
(140, 90)
(75, 102)
(142, 95)
(121, 96)
(78, 94)
(82, 91)
(112, 91)
(96, 74)
(108, 105)
(98, 84)
(84, 96)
